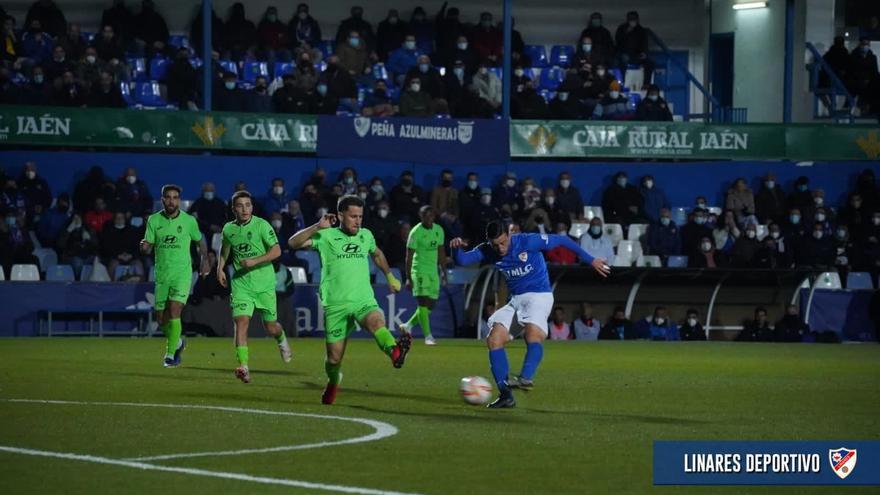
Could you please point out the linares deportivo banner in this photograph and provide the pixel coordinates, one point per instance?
(687, 140)
(422, 140)
(170, 129)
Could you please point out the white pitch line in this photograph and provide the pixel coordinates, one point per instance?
(382, 430)
(202, 472)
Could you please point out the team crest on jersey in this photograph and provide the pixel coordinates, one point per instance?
(249, 235)
(179, 229)
(843, 461)
(523, 256)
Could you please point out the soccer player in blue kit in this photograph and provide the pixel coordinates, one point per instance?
(520, 259)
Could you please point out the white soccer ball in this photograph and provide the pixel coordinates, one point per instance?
(475, 390)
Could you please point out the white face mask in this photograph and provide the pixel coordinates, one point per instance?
(322, 212)
(564, 183)
(819, 200)
(774, 235)
(510, 182)
(362, 195)
(550, 200)
(817, 234)
(277, 224)
(383, 212)
(377, 188)
(518, 72)
(472, 184)
(614, 94)
(820, 217)
(462, 46)
(91, 59)
(770, 184)
(409, 45)
(486, 200)
(660, 321)
(750, 234)
(131, 179)
(483, 71)
(415, 87)
(692, 322)
(707, 246)
(31, 174)
(649, 184)
(600, 72)
(877, 221)
(278, 190)
(119, 226)
(208, 195)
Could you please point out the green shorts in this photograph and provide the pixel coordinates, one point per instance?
(426, 284)
(244, 302)
(340, 319)
(176, 289)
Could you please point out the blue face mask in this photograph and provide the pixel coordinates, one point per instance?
(700, 220)
(459, 72)
(563, 96)
(354, 42)
(10, 221)
(595, 230)
(38, 79)
(621, 181)
(424, 68)
(802, 187)
(208, 195)
(795, 219)
(322, 89)
(587, 47)
(664, 220)
(230, 85)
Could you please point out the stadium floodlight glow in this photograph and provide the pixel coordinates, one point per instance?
(750, 5)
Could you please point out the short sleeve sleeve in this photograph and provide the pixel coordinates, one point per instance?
(268, 235)
(413, 239)
(442, 237)
(225, 236)
(317, 240)
(151, 231)
(194, 231)
(371, 242)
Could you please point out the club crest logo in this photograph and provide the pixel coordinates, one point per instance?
(179, 229)
(465, 132)
(523, 256)
(362, 126)
(843, 461)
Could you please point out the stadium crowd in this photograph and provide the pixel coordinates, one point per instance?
(440, 66)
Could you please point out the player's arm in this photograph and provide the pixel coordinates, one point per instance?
(221, 262)
(442, 261)
(382, 263)
(303, 238)
(409, 259)
(462, 257)
(149, 239)
(598, 264)
(271, 255)
(204, 267)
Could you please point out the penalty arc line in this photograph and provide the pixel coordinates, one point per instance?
(383, 430)
(202, 472)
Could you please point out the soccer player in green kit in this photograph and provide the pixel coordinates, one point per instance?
(172, 232)
(424, 249)
(346, 293)
(252, 245)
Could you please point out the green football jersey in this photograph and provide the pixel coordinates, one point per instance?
(424, 243)
(171, 239)
(345, 266)
(250, 240)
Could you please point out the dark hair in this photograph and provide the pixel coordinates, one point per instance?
(446, 171)
(692, 311)
(494, 230)
(425, 209)
(277, 178)
(240, 194)
(171, 187)
(760, 309)
(619, 309)
(348, 200)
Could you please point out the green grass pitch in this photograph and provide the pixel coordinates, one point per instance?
(587, 428)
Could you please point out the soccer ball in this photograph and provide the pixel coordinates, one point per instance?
(475, 390)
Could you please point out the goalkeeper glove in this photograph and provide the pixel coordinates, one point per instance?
(392, 281)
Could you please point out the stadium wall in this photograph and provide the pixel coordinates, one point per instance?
(682, 182)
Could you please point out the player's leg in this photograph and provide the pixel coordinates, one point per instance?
(426, 288)
(533, 313)
(499, 335)
(373, 321)
(175, 341)
(338, 324)
(267, 304)
(242, 310)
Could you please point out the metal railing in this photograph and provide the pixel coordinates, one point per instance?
(828, 96)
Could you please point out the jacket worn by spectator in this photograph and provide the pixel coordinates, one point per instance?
(101, 97)
(401, 60)
(229, 100)
(610, 108)
(791, 328)
(488, 88)
(181, 79)
(744, 251)
(569, 200)
(692, 332)
(51, 17)
(406, 201)
(654, 200)
(528, 104)
(120, 18)
(292, 99)
(35, 191)
(353, 59)
(622, 205)
(742, 203)
(364, 29)
(817, 253)
(598, 246)
(653, 111)
(586, 329)
(416, 104)
(305, 31)
(618, 330)
(339, 83)
(134, 198)
(432, 81)
(211, 215)
(390, 35)
(115, 241)
(756, 332)
(150, 26)
(770, 205)
(664, 240)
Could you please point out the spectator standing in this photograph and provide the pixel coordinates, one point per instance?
(449, 31)
(595, 242)
(95, 184)
(770, 201)
(356, 23)
(132, 195)
(119, 17)
(654, 197)
(239, 34)
(445, 200)
(457, 83)
(34, 189)
(664, 239)
(36, 44)
(559, 328)
(801, 198)
(210, 211)
(390, 34)
(272, 37)
(423, 29)
(487, 40)
(864, 75)
(354, 57)
(151, 30)
(50, 17)
(621, 202)
(740, 200)
(195, 32)
(303, 29)
(53, 220)
(632, 45)
(181, 80)
(403, 58)
(464, 51)
(603, 44)
(109, 46)
(339, 85)
(692, 329)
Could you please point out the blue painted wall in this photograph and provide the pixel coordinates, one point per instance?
(681, 181)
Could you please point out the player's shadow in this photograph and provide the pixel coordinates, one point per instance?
(627, 418)
(226, 370)
(244, 396)
(378, 393)
(451, 417)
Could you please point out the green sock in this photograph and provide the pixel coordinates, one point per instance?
(424, 322)
(333, 372)
(414, 319)
(242, 353)
(172, 329)
(281, 337)
(384, 340)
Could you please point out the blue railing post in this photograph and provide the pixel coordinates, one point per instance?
(836, 83)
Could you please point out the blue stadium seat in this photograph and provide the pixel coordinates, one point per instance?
(617, 74)
(158, 68)
(498, 72)
(251, 70)
(321, 66)
(148, 94)
(229, 66)
(857, 280)
(679, 215)
(326, 47)
(380, 72)
(178, 40)
(282, 68)
(312, 259)
(551, 78)
(123, 270)
(138, 67)
(125, 89)
(196, 62)
(561, 55)
(538, 55)
(60, 273)
(547, 95)
(634, 99)
(677, 262)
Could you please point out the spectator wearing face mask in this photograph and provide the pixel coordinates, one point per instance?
(58, 64)
(210, 211)
(460, 98)
(555, 213)
(774, 252)
(228, 97)
(691, 328)
(653, 107)
(818, 249)
(415, 102)
(791, 327)
(632, 45)
(132, 194)
(476, 220)
(664, 239)
(34, 189)
(336, 83)
(106, 94)
(487, 87)
(407, 197)
(559, 329)
(847, 255)
(432, 82)
(600, 37)
(151, 31)
(563, 106)
(595, 241)
(487, 39)
(35, 92)
(77, 244)
(820, 215)
(801, 198)
(864, 74)
(290, 98)
(272, 37)
(725, 233)
(854, 215)
(706, 256)
(52, 220)
(304, 74)
(745, 248)
(70, 93)
(506, 193)
(613, 106)
(356, 23)
(119, 245)
(757, 329)
(445, 201)
(375, 194)
(423, 29)
(586, 328)
(464, 51)
(354, 56)
(391, 34)
(770, 201)
(662, 327)
(258, 99)
(568, 197)
(382, 224)
(181, 80)
(586, 53)
(526, 103)
(655, 198)
(469, 196)
(348, 181)
(740, 200)
(277, 197)
(619, 327)
(97, 216)
(303, 29)
(621, 202)
(15, 243)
